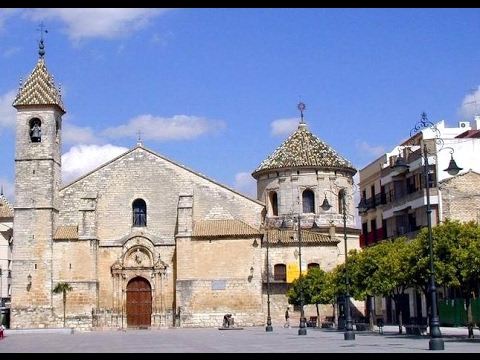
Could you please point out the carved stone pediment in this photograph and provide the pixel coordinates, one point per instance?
(138, 257)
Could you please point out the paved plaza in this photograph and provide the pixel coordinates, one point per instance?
(244, 340)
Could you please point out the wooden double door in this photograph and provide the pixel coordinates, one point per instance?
(139, 303)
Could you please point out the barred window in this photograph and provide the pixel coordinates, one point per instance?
(139, 213)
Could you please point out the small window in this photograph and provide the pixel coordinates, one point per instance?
(139, 208)
(57, 125)
(274, 203)
(308, 198)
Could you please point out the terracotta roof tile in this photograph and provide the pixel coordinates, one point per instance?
(223, 228)
(276, 236)
(69, 232)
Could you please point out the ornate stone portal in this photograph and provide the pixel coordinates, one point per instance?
(140, 264)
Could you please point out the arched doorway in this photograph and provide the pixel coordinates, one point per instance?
(139, 303)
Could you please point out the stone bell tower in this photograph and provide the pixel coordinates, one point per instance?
(37, 181)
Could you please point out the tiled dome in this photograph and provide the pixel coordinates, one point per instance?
(304, 149)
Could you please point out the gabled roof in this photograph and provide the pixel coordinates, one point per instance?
(39, 89)
(304, 149)
(140, 147)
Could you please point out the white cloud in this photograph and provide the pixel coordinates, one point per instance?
(72, 134)
(470, 105)
(8, 114)
(179, 127)
(5, 14)
(10, 51)
(246, 184)
(283, 127)
(108, 23)
(162, 39)
(368, 152)
(82, 159)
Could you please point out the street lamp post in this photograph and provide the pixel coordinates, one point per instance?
(436, 341)
(269, 326)
(302, 330)
(349, 333)
(400, 166)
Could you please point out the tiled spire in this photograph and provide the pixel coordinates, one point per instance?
(39, 88)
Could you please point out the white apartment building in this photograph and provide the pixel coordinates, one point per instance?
(397, 203)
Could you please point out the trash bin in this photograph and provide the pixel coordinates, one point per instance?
(5, 317)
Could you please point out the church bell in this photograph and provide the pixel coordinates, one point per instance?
(35, 133)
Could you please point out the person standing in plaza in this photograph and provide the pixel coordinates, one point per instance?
(287, 318)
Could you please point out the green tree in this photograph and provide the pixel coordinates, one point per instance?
(317, 289)
(382, 270)
(63, 288)
(394, 275)
(455, 258)
(362, 266)
(457, 254)
(390, 267)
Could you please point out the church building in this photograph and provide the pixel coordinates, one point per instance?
(144, 242)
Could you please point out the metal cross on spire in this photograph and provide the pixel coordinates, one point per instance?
(41, 46)
(139, 133)
(301, 106)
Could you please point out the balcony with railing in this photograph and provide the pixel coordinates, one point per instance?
(372, 237)
(400, 200)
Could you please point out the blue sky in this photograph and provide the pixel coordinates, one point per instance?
(217, 90)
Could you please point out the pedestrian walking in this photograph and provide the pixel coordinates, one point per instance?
(287, 318)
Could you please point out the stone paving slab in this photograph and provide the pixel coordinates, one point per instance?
(249, 340)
